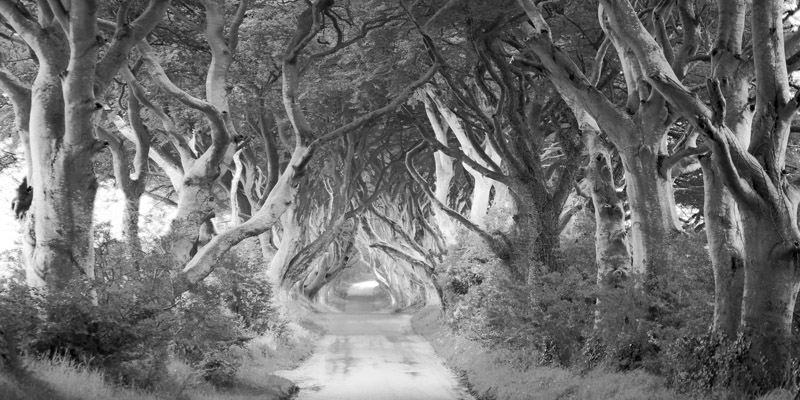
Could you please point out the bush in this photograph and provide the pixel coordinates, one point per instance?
(244, 290)
(636, 327)
(709, 362)
(125, 322)
(549, 319)
(543, 318)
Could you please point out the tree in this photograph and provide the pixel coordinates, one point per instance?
(71, 73)
(285, 191)
(754, 172)
(637, 130)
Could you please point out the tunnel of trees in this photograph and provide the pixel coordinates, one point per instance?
(607, 181)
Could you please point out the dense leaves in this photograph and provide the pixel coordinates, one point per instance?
(552, 317)
(124, 323)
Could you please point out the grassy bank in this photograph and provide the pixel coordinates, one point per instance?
(491, 377)
(61, 379)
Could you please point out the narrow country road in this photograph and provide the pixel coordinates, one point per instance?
(373, 356)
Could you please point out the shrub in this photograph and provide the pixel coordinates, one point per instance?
(244, 289)
(709, 362)
(549, 318)
(125, 321)
(543, 318)
(636, 327)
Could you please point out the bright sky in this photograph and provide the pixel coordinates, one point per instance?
(364, 288)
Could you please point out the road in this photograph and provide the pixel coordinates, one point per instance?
(373, 356)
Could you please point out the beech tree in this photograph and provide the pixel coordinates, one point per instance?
(749, 158)
(523, 155)
(638, 130)
(56, 114)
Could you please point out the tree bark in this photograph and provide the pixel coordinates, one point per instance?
(63, 184)
(725, 248)
(723, 223)
(61, 128)
(771, 283)
(196, 197)
(612, 251)
(653, 211)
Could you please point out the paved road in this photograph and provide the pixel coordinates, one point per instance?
(373, 356)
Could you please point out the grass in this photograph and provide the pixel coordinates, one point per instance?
(61, 379)
(491, 377)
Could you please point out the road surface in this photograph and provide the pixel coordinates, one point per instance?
(373, 356)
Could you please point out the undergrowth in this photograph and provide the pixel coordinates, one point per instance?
(553, 328)
(125, 330)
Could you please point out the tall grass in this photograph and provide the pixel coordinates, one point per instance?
(61, 378)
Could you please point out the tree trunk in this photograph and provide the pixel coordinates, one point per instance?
(548, 241)
(612, 252)
(314, 281)
(526, 229)
(653, 213)
(481, 193)
(723, 224)
(771, 284)
(268, 251)
(482, 185)
(444, 177)
(433, 294)
(394, 297)
(64, 188)
(130, 226)
(196, 201)
(725, 248)
(639, 132)
(536, 222)
(292, 241)
(502, 209)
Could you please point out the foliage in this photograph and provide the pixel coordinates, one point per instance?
(637, 327)
(709, 362)
(544, 316)
(490, 375)
(549, 318)
(124, 323)
(242, 286)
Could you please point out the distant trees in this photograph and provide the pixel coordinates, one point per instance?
(307, 139)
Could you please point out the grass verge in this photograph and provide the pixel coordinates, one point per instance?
(61, 379)
(490, 377)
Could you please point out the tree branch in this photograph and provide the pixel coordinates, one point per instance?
(219, 132)
(126, 36)
(497, 245)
